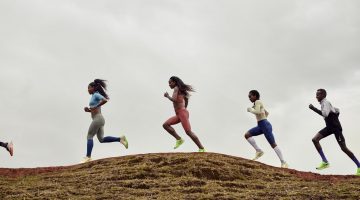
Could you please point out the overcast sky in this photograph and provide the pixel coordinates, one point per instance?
(51, 50)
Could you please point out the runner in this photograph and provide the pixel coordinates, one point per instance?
(98, 98)
(264, 127)
(333, 126)
(8, 146)
(180, 99)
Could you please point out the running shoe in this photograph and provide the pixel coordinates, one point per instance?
(124, 141)
(284, 165)
(86, 159)
(10, 148)
(202, 150)
(323, 165)
(178, 143)
(358, 172)
(258, 154)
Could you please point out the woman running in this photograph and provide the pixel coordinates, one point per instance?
(264, 127)
(8, 146)
(98, 98)
(180, 99)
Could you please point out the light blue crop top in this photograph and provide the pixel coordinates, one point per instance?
(95, 99)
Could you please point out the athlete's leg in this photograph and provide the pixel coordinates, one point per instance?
(107, 139)
(316, 140)
(171, 130)
(341, 141)
(184, 118)
(249, 137)
(95, 125)
(269, 135)
(3, 144)
(8, 146)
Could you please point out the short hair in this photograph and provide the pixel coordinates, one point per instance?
(323, 91)
(255, 93)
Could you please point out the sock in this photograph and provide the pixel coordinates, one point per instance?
(110, 139)
(90, 145)
(322, 155)
(253, 143)
(279, 154)
(356, 161)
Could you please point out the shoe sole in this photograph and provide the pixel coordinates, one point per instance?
(179, 144)
(11, 148)
(257, 157)
(322, 168)
(126, 145)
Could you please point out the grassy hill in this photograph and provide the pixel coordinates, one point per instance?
(173, 176)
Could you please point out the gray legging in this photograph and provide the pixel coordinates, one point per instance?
(97, 127)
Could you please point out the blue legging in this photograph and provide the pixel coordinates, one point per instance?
(264, 127)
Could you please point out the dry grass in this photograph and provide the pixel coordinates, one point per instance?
(173, 176)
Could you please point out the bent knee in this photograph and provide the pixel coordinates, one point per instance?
(101, 140)
(165, 125)
(247, 135)
(315, 140)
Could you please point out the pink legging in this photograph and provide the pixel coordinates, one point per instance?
(182, 115)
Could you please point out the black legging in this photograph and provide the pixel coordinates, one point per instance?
(2, 144)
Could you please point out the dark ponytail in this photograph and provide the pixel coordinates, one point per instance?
(100, 86)
(184, 89)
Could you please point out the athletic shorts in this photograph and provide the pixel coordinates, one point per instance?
(338, 134)
(264, 127)
(182, 115)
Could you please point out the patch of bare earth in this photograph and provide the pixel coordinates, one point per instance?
(173, 176)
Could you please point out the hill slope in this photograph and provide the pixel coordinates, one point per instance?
(173, 176)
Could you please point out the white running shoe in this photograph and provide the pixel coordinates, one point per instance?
(10, 148)
(284, 165)
(258, 154)
(86, 159)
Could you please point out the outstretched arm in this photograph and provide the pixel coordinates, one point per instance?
(315, 109)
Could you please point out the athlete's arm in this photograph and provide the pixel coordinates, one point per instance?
(102, 102)
(256, 109)
(266, 113)
(315, 109)
(174, 96)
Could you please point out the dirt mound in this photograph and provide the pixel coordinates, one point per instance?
(173, 176)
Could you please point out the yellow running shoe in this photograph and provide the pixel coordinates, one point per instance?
(178, 143)
(284, 165)
(258, 154)
(86, 159)
(358, 172)
(124, 141)
(323, 165)
(202, 150)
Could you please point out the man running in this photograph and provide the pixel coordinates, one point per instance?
(333, 126)
(8, 146)
(264, 127)
(180, 99)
